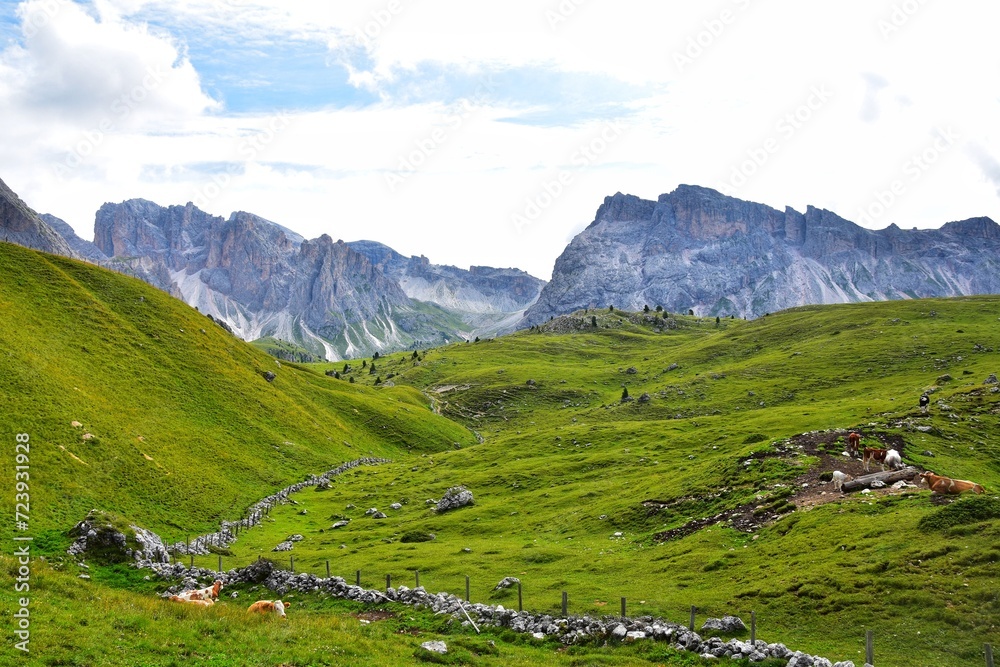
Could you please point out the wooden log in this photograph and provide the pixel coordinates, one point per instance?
(889, 477)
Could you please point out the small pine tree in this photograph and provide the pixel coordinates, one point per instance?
(351, 380)
(375, 356)
(347, 368)
(691, 311)
(477, 339)
(645, 308)
(659, 309)
(716, 320)
(611, 309)
(593, 321)
(414, 355)
(624, 393)
(364, 363)
(371, 371)
(378, 381)
(336, 374)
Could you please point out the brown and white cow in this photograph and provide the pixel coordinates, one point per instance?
(853, 442)
(207, 593)
(201, 603)
(873, 454)
(268, 607)
(946, 485)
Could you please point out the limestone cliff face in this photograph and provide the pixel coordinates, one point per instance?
(695, 248)
(21, 225)
(333, 298)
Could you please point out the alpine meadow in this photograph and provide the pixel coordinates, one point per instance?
(667, 459)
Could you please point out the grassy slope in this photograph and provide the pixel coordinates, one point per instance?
(563, 466)
(560, 455)
(116, 619)
(187, 430)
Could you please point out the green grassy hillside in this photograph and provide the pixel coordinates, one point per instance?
(706, 489)
(179, 427)
(566, 466)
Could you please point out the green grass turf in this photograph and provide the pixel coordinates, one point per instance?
(562, 466)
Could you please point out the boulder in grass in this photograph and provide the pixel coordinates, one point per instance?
(507, 582)
(455, 497)
(435, 647)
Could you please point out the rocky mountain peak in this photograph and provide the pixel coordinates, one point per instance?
(695, 248)
(22, 225)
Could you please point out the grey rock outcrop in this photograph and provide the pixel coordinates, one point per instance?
(21, 225)
(492, 300)
(453, 498)
(696, 249)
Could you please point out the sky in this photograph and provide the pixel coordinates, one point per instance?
(488, 133)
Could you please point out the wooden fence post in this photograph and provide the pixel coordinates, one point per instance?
(466, 588)
(192, 561)
(691, 622)
(565, 603)
(753, 628)
(388, 582)
(520, 603)
(417, 573)
(220, 562)
(870, 647)
(291, 563)
(357, 577)
(327, 568)
(989, 655)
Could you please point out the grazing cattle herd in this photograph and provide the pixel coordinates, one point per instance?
(938, 484)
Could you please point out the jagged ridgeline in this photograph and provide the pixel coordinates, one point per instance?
(697, 249)
(137, 403)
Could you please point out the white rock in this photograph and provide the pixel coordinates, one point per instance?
(435, 647)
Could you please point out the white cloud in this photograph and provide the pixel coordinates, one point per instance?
(753, 72)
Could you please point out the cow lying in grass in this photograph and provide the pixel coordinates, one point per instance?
(944, 485)
(207, 593)
(268, 607)
(201, 603)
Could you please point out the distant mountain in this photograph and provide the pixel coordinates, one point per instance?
(488, 297)
(21, 225)
(264, 281)
(697, 249)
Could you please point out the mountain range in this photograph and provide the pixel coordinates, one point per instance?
(694, 249)
(697, 249)
(337, 300)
